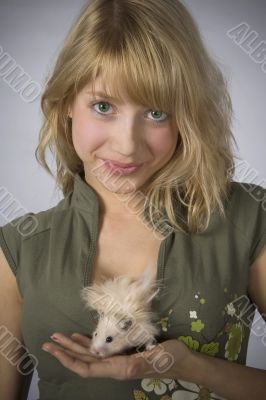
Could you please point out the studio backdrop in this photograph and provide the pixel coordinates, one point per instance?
(32, 33)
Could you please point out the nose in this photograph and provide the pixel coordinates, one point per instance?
(127, 139)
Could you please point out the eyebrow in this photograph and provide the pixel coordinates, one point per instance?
(102, 94)
(105, 96)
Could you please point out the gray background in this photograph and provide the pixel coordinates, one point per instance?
(32, 31)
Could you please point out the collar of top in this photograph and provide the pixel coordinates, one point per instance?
(86, 199)
(84, 196)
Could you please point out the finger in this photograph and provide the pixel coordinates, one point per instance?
(146, 353)
(116, 367)
(77, 356)
(52, 348)
(71, 345)
(81, 339)
(79, 367)
(85, 369)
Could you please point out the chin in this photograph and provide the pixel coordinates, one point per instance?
(121, 185)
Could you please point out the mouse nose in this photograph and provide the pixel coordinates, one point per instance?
(95, 351)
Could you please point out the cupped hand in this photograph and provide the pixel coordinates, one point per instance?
(166, 360)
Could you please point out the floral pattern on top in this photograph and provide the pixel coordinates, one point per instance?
(233, 333)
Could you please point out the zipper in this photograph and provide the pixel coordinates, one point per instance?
(88, 269)
(161, 258)
(92, 250)
(92, 313)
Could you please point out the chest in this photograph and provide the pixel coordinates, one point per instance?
(125, 249)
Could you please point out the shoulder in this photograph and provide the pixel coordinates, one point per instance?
(249, 193)
(247, 213)
(246, 200)
(23, 237)
(31, 224)
(20, 229)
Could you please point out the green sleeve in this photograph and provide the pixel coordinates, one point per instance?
(259, 232)
(12, 235)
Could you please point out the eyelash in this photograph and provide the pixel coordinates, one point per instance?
(106, 102)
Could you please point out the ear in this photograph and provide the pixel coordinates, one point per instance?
(94, 297)
(125, 324)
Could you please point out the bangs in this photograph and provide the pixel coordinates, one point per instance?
(143, 73)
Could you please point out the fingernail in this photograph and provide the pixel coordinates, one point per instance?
(75, 335)
(45, 348)
(55, 338)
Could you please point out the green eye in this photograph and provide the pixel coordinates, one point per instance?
(157, 115)
(103, 106)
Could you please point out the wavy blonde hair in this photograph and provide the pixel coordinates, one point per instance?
(156, 50)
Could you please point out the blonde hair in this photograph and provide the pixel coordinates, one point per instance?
(156, 50)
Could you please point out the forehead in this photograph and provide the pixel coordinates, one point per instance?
(99, 88)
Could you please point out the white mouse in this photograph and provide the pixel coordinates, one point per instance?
(125, 317)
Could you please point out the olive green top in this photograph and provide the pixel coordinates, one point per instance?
(203, 302)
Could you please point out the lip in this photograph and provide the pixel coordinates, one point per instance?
(122, 165)
(126, 169)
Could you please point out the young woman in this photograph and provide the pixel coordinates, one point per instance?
(138, 117)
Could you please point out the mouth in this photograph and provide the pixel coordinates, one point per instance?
(123, 169)
(122, 165)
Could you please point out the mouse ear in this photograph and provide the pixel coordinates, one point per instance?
(94, 297)
(125, 324)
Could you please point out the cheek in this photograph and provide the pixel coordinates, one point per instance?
(87, 136)
(164, 142)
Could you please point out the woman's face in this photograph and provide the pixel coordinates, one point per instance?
(104, 129)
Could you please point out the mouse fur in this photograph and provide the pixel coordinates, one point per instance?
(125, 320)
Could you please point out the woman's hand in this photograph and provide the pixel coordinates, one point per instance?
(167, 360)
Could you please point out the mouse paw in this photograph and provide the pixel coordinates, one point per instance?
(150, 344)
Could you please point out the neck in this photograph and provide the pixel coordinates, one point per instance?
(113, 205)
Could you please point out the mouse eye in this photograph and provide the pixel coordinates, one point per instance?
(109, 339)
